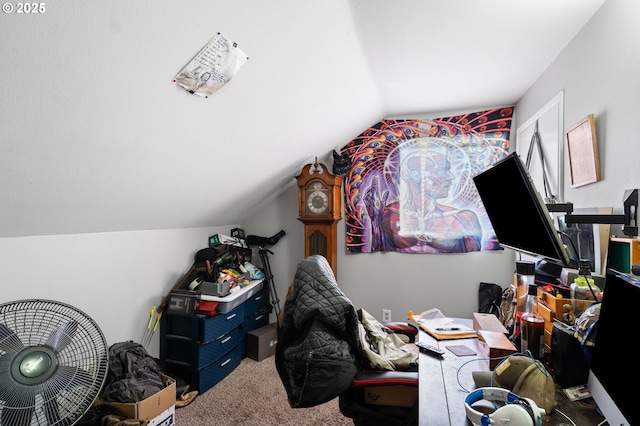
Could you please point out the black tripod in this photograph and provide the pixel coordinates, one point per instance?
(262, 242)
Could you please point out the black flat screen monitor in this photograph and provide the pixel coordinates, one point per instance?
(519, 217)
(613, 373)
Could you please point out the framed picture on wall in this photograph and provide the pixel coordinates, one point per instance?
(582, 146)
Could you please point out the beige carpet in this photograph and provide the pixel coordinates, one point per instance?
(253, 395)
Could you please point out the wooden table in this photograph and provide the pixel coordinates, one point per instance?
(446, 382)
(441, 397)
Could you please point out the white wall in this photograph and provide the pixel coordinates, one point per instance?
(282, 214)
(598, 72)
(115, 278)
(400, 282)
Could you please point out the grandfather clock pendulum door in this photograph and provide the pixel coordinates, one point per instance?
(320, 209)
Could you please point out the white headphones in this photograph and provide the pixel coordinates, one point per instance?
(517, 412)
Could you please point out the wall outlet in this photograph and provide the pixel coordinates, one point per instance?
(386, 315)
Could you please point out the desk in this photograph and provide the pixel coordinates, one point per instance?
(444, 387)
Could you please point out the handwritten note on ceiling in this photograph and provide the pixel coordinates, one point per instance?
(212, 67)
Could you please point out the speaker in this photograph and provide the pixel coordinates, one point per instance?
(516, 412)
(568, 360)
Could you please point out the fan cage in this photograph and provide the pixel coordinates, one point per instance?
(81, 365)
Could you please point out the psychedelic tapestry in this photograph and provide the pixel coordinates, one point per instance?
(409, 185)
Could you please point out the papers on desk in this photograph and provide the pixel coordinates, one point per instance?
(441, 327)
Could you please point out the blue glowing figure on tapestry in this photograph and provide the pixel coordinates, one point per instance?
(409, 186)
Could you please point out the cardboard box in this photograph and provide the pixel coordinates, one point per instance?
(166, 418)
(152, 407)
(396, 396)
(261, 342)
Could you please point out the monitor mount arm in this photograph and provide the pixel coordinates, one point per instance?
(629, 219)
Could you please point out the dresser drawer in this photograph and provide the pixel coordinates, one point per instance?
(201, 328)
(255, 320)
(203, 379)
(213, 373)
(257, 301)
(200, 355)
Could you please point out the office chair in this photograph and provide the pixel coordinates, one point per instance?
(384, 397)
(320, 354)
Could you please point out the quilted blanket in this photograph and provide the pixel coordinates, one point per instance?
(318, 347)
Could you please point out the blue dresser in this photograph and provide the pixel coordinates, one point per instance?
(203, 350)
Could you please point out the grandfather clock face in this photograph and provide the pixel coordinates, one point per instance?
(317, 201)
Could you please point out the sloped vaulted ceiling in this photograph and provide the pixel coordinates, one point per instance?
(94, 136)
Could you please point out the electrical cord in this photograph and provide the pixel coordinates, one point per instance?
(528, 354)
(584, 265)
(573, 245)
(585, 271)
(567, 417)
(502, 359)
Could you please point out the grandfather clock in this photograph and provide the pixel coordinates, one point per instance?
(320, 209)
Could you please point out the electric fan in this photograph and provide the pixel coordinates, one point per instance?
(53, 363)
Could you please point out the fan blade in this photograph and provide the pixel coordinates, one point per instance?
(8, 386)
(19, 414)
(5, 364)
(9, 340)
(76, 376)
(51, 411)
(61, 337)
(70, 389)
